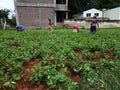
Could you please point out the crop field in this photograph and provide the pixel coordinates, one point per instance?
(61, 60)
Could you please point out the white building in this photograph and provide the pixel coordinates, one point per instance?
(113, 14)
(92, 12)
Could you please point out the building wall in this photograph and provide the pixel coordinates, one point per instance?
(35, 13)
(33, 16)
(113, 14)
(46, 13)
(36, 1)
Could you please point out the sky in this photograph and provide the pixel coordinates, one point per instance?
(7, 4)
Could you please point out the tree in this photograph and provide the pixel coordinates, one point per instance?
(108, 4)
(12, 21)
(4, 17)
(78, 6)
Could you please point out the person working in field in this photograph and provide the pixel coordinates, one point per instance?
(20, 28)
(75, 28)
(94, 25)
(50, 25)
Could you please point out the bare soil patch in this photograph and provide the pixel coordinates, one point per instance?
(24, 83)
(74, 76)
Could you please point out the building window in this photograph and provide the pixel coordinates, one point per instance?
(60, 16)
(60, 1)
(96, 14)
(88, 14)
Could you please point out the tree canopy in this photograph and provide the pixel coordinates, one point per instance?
(4, 20)
(78, 6)
(4, 13)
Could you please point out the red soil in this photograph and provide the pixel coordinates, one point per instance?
(74, 76)
(24, 83)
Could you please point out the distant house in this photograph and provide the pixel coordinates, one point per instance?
(88, 14)
(113, 14)
(92, 12)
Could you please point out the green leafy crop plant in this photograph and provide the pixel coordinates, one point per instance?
(94, 57)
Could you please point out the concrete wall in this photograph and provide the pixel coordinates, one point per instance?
(32, 17)
(35, 13)
(36, 1)
(86, 24)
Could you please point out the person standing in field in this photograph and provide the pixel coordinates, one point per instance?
(50, 25)
(94, 25)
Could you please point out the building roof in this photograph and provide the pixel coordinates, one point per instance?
(113, 8)
(93, 9)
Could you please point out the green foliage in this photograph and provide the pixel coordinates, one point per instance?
(4, 13)
(12, 21)
(10, 84)
(99, 75)
(78, 6)
(96, 58)
(53, 78)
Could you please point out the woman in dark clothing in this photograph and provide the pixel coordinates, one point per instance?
(94, 25)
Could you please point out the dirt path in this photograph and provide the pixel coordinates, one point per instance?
(24, 83)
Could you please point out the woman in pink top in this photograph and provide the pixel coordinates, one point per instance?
(76, 28)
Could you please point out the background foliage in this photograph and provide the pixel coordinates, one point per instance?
(78, 6)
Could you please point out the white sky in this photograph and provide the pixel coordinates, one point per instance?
(7, 4)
